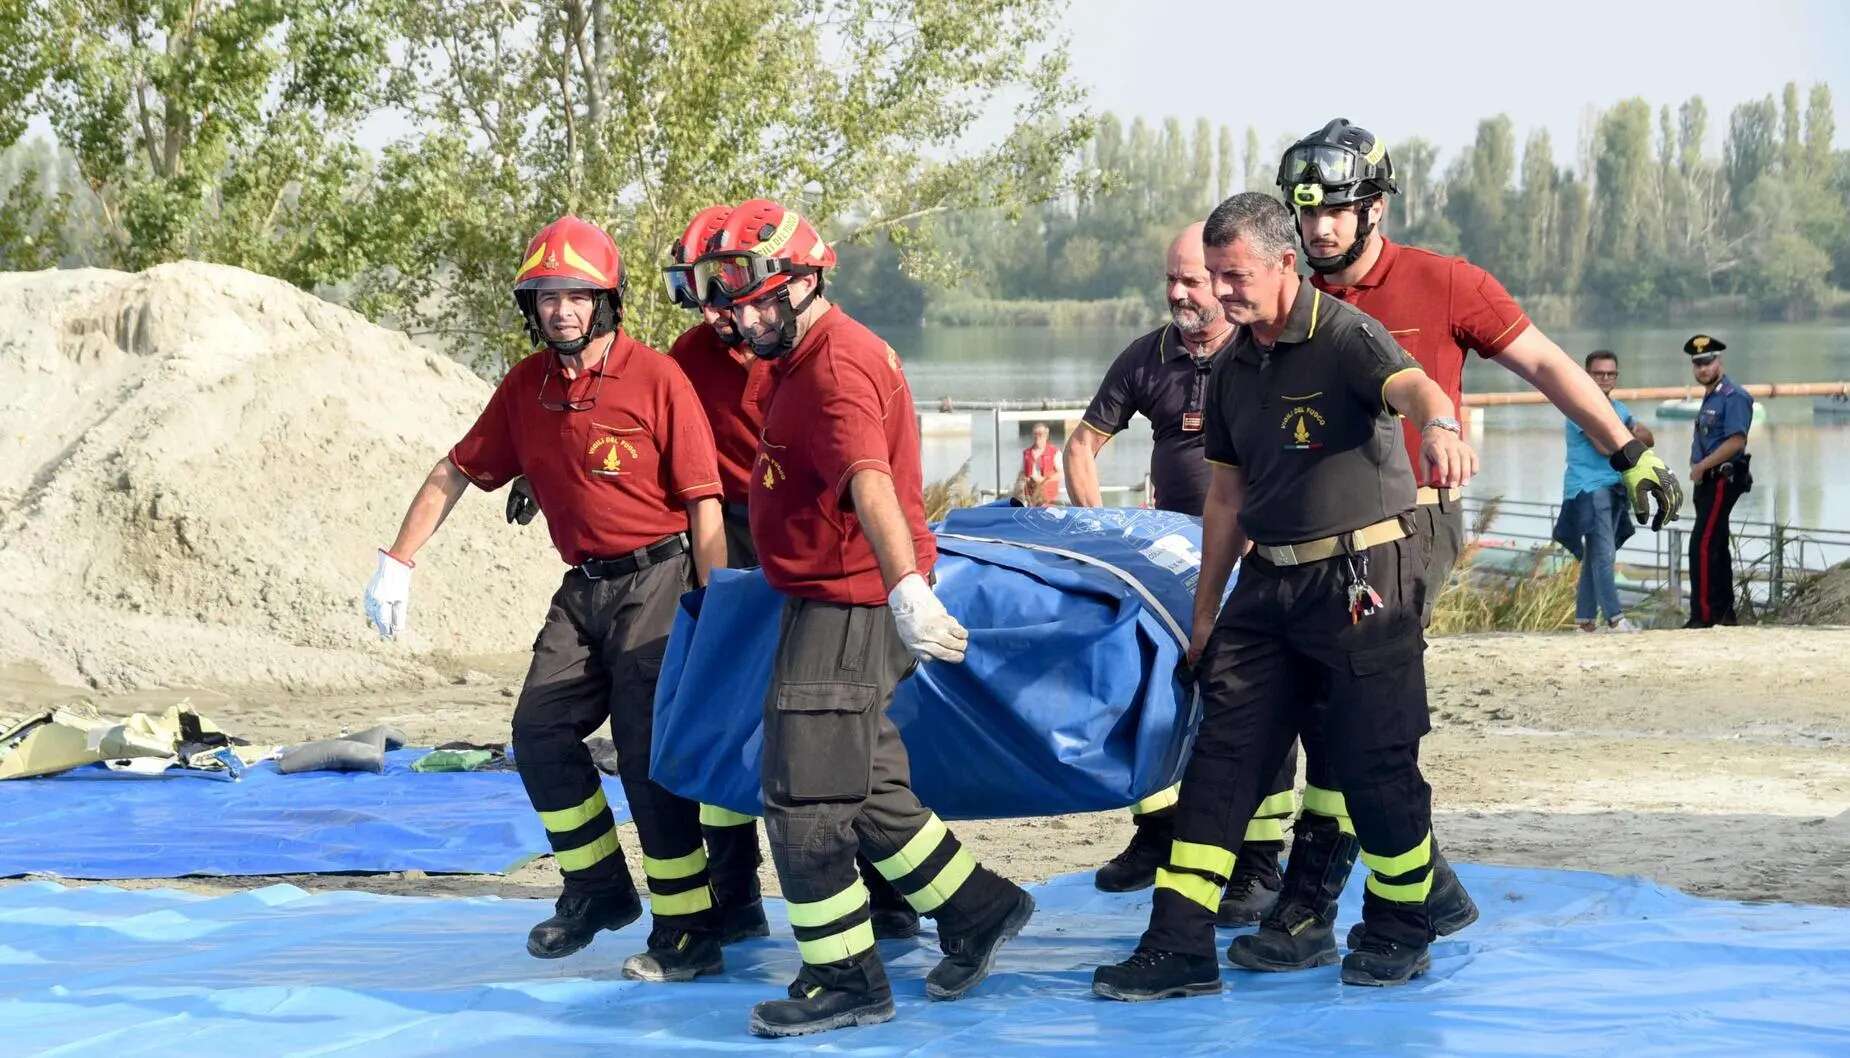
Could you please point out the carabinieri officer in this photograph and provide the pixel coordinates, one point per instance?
(1718, 463)
(1325, 618)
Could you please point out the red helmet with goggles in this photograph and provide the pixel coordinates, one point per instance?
(756, 253)
(679, 273)
(571, 254)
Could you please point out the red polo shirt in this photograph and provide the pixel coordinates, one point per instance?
(612, 478)
(838, 404)
(1436, 307)
(730, 385)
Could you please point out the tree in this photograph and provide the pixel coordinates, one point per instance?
(1224, 170)
(1820, 129)
(1478, 199)
(1750, 148)
(1627, 223)
(1259, 169)
(217, 130)
(859, 112)
(1791, 147)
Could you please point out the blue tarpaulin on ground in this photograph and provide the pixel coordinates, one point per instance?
(93, 823)
(1069, 699)
(1562, 963)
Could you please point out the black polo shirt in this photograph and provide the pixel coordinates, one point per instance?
(1157, 376)
(1307, 421)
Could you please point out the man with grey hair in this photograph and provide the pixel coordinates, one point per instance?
(1322, 629)
(1164, 377)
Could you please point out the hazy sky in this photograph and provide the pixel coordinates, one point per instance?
(1433, 68)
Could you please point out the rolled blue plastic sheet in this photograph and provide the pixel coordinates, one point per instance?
(94, 823)
(1070, 699)
(1562, 963)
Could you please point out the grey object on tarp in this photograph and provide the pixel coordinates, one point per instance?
(361, 751)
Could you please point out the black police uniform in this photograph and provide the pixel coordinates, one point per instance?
(1322, 456)
(1158, 377)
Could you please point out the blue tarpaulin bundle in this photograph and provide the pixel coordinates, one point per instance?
(1562, 963)
(1069, 700)
(110, 826)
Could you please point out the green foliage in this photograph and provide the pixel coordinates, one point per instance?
(216, 130)
(858, 112)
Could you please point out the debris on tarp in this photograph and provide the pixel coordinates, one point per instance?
(57, 740)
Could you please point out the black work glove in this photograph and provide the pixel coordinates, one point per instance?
(521, 506)
(1648, 483)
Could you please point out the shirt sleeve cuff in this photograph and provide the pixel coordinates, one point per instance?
(485, 484)
(847, 475)
(1508, 335)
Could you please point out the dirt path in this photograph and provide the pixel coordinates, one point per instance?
(1717, 761)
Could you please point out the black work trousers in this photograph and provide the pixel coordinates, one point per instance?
(1285, 656)
(837, 780)
(732, 838)
(597, 659)
(1711, 553)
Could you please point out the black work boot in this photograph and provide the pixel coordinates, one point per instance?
(1254, 887)
(576, 919)
(1154, 974)
(1299, 931)
(676, 954)
(732, 864)
(832, 996)
(970, 952)
(888, 912)
(1135, 867)
(1376, 960)
(1449, 906)
(739, 922)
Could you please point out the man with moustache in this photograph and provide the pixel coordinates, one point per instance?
(1164, 376)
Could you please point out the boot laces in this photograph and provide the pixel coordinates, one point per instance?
(1148, 958)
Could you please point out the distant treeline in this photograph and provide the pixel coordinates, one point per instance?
(1638, 224)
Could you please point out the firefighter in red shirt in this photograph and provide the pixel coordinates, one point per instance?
(730, 382)
(618, 454)
(1438, 308)
(838, 518)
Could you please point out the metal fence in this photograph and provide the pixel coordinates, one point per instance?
(1517, 537)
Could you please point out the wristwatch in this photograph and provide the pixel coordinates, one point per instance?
(1444, 422)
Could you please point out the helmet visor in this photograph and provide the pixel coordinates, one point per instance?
(680, 283)
(1318, 164)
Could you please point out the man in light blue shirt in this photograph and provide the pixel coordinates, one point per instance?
(1593, 521)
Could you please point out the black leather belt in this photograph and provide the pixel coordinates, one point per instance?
(641, 558)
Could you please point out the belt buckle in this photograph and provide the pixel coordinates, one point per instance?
(1287, 555)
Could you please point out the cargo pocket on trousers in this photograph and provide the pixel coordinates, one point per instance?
(824, 743)
(1387, 692)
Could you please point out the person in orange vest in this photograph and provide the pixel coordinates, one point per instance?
(618, 454)
(838, 518)
(1038, 484)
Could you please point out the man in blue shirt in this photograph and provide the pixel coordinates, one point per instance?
(1593, 512)
(1718, 463)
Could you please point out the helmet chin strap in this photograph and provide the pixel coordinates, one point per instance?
(786, 339)
(1364, 226)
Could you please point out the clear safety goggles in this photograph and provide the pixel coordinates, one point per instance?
(1318, 164)
(680, 282)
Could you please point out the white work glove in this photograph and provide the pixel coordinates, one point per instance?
(388, 595)
(925, 626)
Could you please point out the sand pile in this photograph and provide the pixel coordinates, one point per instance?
(196, 465)
(1820, 600)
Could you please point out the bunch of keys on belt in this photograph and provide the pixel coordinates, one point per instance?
(1363, 598)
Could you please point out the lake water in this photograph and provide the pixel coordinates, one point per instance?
(1801, 465)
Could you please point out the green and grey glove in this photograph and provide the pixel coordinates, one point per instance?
(1648, 483)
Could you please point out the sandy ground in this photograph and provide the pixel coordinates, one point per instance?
(1715, 761)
